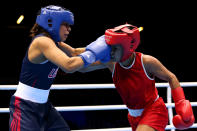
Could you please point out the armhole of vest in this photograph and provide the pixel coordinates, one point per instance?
(28, 51)
(34, 63)
(145, 69)
(113, 70)
(44, 62)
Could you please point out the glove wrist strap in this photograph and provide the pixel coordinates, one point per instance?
(178, 94)
(88, 58)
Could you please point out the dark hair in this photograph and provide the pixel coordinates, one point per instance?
(36, 29)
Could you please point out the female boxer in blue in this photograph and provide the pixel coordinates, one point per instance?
(30, 109)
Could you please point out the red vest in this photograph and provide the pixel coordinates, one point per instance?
(135, 87)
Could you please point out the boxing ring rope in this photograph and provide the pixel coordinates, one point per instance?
(169, 103)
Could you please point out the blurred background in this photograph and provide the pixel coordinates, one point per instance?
(169, 34)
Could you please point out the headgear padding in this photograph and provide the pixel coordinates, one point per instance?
(127, 36)
(51, 17)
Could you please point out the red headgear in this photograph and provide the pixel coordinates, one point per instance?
(126, 35)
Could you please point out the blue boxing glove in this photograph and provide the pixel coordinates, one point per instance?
(100, 49)
(97, 50)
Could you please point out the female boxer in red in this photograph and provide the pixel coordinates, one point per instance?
(133, 75)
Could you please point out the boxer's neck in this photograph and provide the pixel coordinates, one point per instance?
(129, 61)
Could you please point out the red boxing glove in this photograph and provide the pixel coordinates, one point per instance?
(185, 117)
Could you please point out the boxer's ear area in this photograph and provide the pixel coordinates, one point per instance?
(131, 46)
(50, 23)
(132, 42)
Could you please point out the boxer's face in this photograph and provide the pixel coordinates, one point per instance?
(116, 53)
(64, 31)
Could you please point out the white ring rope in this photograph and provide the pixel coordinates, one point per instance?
(93, 86)
(168, 127)
(107, 107)
(93, 108)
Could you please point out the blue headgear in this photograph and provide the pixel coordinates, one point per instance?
(51, 17)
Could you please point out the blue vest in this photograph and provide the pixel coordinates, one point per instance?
(39, 76)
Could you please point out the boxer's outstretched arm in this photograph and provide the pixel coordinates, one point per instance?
(70, 51)
(92, 67)
(98, 65)
(57, 56)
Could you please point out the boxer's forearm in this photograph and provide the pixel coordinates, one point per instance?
(66, 48)
(70, 51)
(173, 81)
(94, 66)
(98, 65)
(79, 51)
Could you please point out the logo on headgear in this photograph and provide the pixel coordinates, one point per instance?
(44, 12)
(107, 38)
